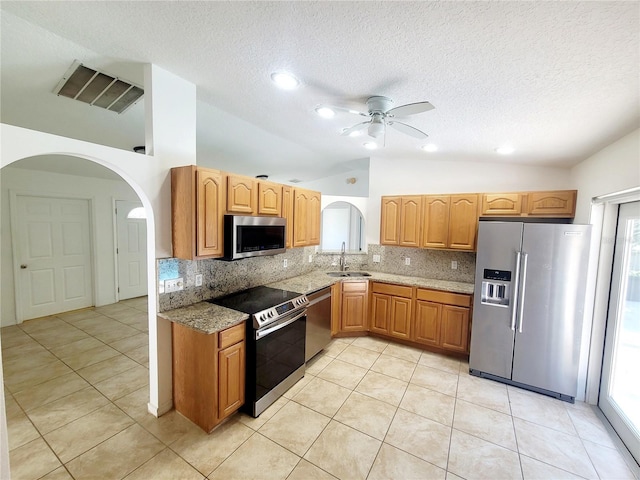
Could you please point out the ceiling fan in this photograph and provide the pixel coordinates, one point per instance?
(381, 114)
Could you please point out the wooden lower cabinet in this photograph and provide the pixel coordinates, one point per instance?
(208, 373)
(349, 315)
(427, 323)
(391, 310)
(454, 334)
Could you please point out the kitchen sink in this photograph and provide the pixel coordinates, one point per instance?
(349, 274)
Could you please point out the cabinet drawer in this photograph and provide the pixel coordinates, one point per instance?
(231, 336)
(395, 290)
(354, 286)
(447, 298)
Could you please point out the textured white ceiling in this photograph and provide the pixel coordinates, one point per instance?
(556, 80)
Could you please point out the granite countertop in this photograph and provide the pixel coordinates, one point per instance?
(208, 318)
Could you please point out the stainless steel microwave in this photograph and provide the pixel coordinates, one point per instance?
(246, 236)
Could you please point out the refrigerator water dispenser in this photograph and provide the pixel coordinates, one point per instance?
(496, 288)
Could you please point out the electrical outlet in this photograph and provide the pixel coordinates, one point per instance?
(376, 259)
(310, 258)
(284, 264)
(173, 285)
(198, 280)
(454, 265)
(407, 261)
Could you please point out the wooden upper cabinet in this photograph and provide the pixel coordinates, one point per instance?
(197, 212)
(557, 204)
(501, 204)
(306, 217)
(315, 218)
(269, 198)
(410, 219)
(463, 222)
(435, 221)
(390, 221)
(242, 195)
(287, 213)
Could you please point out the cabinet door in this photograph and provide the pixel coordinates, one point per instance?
(390, 221)
(454, 334)
(380, 310)
(463, 222)
(314, 218)
(427, 323)
(210, 216)
(287, 213)
(241, 195)
(556, 204)
(353, 313)
(410, 218)
(301, 201)
(400, 325)
(501, 204)
(231, 363)
(269, 198)
(435, 221)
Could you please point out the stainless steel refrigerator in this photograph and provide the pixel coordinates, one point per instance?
(529, 304)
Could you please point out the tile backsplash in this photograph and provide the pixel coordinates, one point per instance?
(221, 277)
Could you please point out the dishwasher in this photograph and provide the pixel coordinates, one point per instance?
(318, 322)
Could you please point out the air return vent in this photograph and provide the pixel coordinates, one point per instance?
(98, 88)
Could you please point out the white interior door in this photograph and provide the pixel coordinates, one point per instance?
(620, 388)
(131, 249)
(53, 255)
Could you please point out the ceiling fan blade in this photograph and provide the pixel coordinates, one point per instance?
(335, 108)
(355, 128)
(408, 129)
(410, 109)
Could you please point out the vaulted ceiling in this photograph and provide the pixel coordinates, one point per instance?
(557, 81)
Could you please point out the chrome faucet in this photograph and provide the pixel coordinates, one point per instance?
(343, 259)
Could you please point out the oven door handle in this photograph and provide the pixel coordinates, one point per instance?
(281, 324)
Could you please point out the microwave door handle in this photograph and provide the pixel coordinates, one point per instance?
(514, 304)
(281, 324)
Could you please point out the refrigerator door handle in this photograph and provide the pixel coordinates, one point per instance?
(525, 256)
(514, 305)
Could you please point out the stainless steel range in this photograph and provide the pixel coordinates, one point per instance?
(275, 343)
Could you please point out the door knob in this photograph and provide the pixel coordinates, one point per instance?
(23, 266)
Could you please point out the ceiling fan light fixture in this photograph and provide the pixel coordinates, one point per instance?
(430, 147)
(370, 145)
(505, 150)
(285, 80)
(325, 112)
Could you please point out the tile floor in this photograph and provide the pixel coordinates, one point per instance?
(76, 388)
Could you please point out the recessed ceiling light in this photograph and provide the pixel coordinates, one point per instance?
(505, 150)
(370, 145)
(285, 80)
(325, 112)
(429, 147)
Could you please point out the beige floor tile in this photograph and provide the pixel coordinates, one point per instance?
(42, 324)
(420, 436)
(117, 333)
(122, 315)
(205, 451)
(139, 323)
(490, 425)
(382, 387)
(131, 343)
(590, 427)
(59, 473)
(90, 357)
(473, 458)
(453, 476)
(483, 392)
(168, 428)
(402, 351)
(336, 347)
(535, 470)
(394, 367)
(36, 376)
(256, 423)
(20, 431)
(370, 343)
(540, 409)
(15, 366)
(124, 383)
(86, 432)
(366, 415)
(300, 384)
(269, 461)
(343, 452)
(308, 471)
(66, 409)
(295, 427)
(33, 460)
(343, 374)
(115, 458)
(141, 317)
(50, 391)
(139, 355)
(112, 308)
(10, 343)
(464, 368)
(165, 466)
(435, 379)
(20, 351)
(317, 363)
(361, 357)
(74, 348)
(322, 396)
(107, 369)
(96, 324)
(553, 447)
(392, 463)
(77, 315)
(12, 408)
(441, 362)
(429, 404)
(608, 462)
(60, 338)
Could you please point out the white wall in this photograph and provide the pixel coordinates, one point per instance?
(405, 177)
(337, 184)
(101, 192)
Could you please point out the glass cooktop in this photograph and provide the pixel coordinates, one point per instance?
(254, 300)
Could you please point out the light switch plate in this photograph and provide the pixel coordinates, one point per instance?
(407, 261)
(376, 259)
(454, 265)
(198, 280)
(310, 258)
(284, 264)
